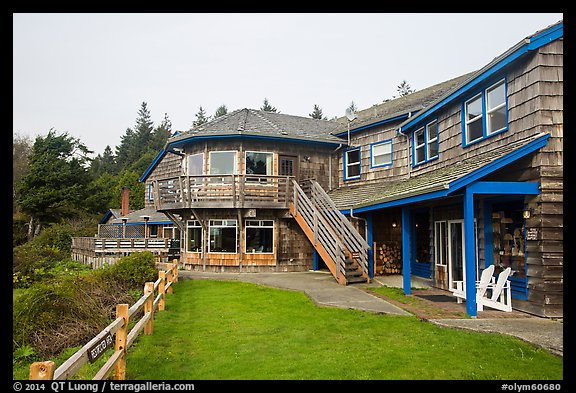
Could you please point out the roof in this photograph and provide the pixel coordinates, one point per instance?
(436, 183)
(400, 108)
(263, 124)
(111, 213)
(252, 123)
(474, 79)
(135, 217)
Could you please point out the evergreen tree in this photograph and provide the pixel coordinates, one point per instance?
(136, 141)
(266, 107)
(221, 111)
(404, 89)
(161, 134)
(143, 129)
(21, 148)
(352, 107)
(201, 118)
(317, 113)
(104, 163)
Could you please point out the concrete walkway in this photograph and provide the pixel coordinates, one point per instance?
(323, 290)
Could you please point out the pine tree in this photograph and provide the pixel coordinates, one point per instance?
(266, 107)
(352, 107)
(317, 113)
(161, 134)
(404, 89)
(201, 118)
(221, 111)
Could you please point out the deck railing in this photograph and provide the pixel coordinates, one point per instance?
(222, 191)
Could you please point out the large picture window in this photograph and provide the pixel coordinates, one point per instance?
(352, 164)
(222, 163)
(485, 114)
(223, 235)
(259, 236)
(193, 236)
(259, 163)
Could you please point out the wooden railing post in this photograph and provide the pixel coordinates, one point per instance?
(149, 307)
(42, 370)
(169, 277)
(175, 268)
(121, 342)
(161, 289)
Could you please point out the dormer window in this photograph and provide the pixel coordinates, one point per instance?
(485, 114)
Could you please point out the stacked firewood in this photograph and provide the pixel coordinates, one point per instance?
(388, 258)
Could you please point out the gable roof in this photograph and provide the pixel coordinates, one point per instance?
(474, 79)
(135, 217)
(399, 108)
(437, 183)
(252, 123)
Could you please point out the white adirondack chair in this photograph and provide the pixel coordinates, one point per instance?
(481, 286)
(499, 295)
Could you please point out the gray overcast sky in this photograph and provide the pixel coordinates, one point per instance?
(87, 74)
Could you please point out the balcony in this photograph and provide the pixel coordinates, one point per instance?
(222, 191)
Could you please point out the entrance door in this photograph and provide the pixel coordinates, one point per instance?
(288, 166)
(457, 252)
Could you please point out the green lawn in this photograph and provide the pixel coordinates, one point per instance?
(218, 330)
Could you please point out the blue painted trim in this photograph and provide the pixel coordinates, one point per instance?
(424, 129)
(499, 163)
(399, 202)
(535, 42)
(469, 255)
(505, 187)
(315, 265)
(406, 232)
(372, 166)
(370, 241)
(107, 216)
(378, 123)
(345, 161)
(128, 223)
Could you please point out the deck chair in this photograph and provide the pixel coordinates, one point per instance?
(498, 295)
(481, 286)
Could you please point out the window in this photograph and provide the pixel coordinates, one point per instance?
(419, 145)
(432, 140)
(352, 164)
(150, 192)
(496, 108)
(485, 114)
(223, 236)
(440, 243)
(193, 236)
(381, 153)
(258, 163)
(195, 164)
(222, 163)
(259, 236)
(426, 143)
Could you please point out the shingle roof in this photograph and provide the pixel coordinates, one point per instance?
(136, 216)
(257, 123)
(436, 180)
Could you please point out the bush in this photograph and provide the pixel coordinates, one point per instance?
(135, 270)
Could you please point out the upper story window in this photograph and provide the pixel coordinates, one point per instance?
(259, 163)
(485, 114)
(222, 163)
(425, 143)
(195, 164)
(150, 192)
(352, 164)
(381, 153)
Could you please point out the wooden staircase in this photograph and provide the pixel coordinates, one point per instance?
(341, 247)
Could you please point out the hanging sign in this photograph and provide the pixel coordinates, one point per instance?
(531, 233)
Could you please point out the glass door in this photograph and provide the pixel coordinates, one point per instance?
(456, 266)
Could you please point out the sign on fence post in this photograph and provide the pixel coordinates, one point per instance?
(121, 342)
(42, 370)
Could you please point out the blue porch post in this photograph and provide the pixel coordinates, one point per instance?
(469, 256)
(315, 265)
(370, 241)
(406, 232)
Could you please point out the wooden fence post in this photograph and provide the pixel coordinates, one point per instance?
(175, 268)
(169, 275)
(42, 370)
(121, 342)
(149, 307)
(161, 289)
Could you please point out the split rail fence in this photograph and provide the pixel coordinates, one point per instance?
(119, 327)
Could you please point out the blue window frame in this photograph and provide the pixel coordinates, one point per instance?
(381, 154)
(425, 143)
(150, 192)
(352, 163)
(485, 114)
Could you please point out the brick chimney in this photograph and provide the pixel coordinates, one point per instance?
(125, 201)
